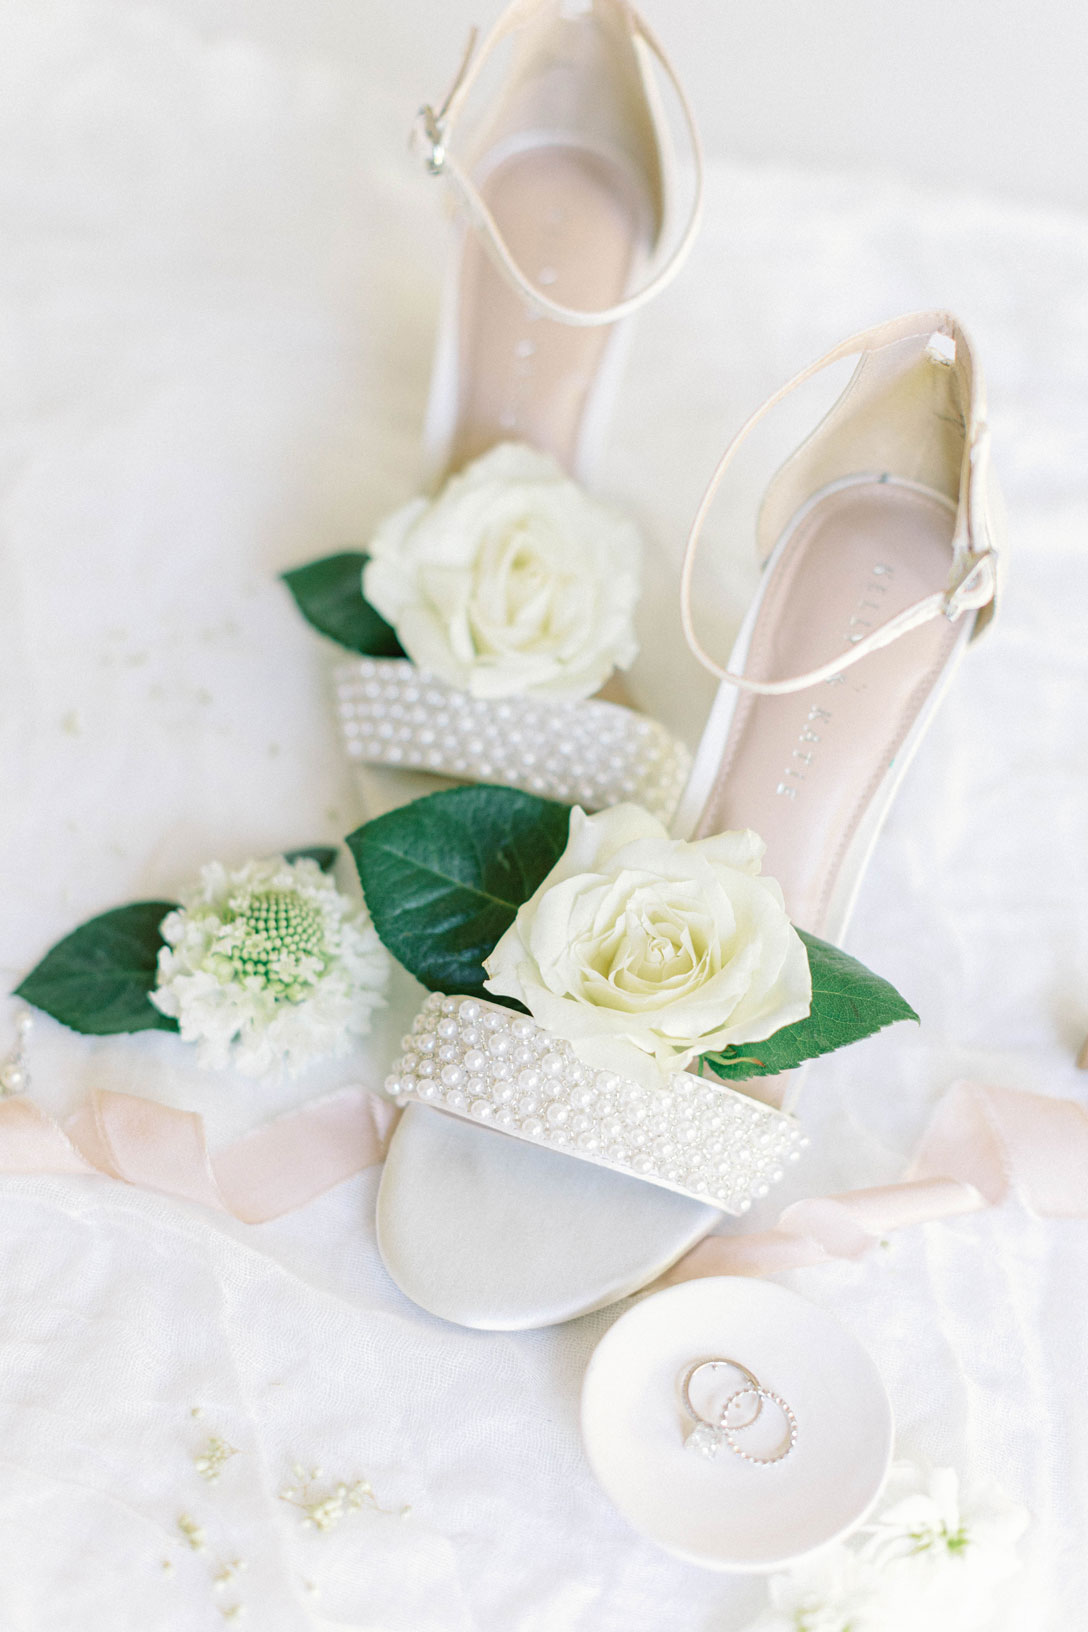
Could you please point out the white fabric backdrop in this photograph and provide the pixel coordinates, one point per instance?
(218, 289)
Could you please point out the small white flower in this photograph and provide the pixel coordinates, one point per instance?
(828, 1593)
(643, 951)
(269, 966)
(923, 1513)
(512, 580)
(928, 1560)
(942, 1556)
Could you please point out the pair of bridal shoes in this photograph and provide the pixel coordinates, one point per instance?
(877, 538)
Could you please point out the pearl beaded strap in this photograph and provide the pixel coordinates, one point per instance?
(494, 1066)
(587, 752)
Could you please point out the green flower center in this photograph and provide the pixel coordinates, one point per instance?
(277, 937)
(956, 1541)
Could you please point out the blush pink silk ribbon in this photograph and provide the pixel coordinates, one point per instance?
(981, 1143)
(273, 1170)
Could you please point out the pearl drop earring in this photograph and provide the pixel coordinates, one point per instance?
(14, 1075)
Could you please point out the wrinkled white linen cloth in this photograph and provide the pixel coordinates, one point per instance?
(217, 297)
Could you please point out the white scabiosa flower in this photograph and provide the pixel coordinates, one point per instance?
(269, 966)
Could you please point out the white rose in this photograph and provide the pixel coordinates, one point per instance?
(644, 951)
(512, 580)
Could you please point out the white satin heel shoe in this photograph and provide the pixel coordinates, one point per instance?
(567, 222)
(880, 538)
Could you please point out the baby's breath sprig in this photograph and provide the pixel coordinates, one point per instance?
(325, 1511)
(194, 1534)
(214, 1458)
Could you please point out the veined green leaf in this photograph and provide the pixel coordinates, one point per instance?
(97, 979)
(848, 1002)
(323, 854)
(329, 594)
(444, 877)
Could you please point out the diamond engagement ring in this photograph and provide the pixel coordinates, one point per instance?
(706, 1436)
(709, 1434)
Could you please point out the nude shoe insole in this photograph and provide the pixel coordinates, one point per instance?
(802, 769)
(573, 223)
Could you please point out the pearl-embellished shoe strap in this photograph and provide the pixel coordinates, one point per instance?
(494, 1066)
(589, 753)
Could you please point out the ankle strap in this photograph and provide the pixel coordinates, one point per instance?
(973, 580)
(431, 137)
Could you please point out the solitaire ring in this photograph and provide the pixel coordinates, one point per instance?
(702, 1365)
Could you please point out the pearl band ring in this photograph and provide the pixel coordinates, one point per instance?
(730, 1434)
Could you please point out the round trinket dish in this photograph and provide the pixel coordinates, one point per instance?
(714, 1502)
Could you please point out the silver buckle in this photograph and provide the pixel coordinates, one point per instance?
(429, 139)
(979, 577)
(429, 130)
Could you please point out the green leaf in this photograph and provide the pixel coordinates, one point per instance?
(98, 978)
(848, 1002)
(329, 594)
(444, 876)
(323, 854)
